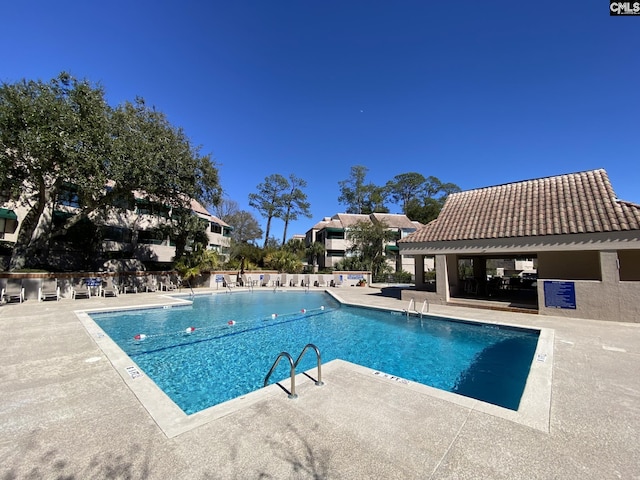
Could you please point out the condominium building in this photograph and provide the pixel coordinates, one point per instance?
(133, 231)
(333, 233)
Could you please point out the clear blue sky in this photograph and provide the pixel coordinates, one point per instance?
(474, 93)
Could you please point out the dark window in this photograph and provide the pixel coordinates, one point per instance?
(145, 207)
(117, 234)
(335, 234)
(152, 237)
(68, 196)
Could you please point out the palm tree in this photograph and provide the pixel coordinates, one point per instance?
(315, 250)
(199, 260)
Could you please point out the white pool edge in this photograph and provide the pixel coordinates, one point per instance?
(534, 409)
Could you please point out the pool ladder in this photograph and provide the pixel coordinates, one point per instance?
(293, 365)
(412, 303)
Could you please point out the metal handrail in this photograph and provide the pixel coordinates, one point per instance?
(304, 350)
(412, 302)
(292, 393)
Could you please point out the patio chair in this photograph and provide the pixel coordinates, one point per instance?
(128, 285)
(266, 279)
(148, 284)
(80, 289)
(306, 281)
(294, 282)
(13, 291)
(109, 287)
(49, 290)
(167, 284)
(321, 281)
(282, 282)
(228, 282)
(248, 281)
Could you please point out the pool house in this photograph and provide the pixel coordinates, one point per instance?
(581, 245)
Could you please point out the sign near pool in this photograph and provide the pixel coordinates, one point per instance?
(559, 294)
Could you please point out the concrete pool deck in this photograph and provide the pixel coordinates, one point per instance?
(67, 412)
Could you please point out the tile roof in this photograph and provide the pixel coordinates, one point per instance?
(582, 202)
(396, 220)
(350, 219)
(347, 220)
(218, 221)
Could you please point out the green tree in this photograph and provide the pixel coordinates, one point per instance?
(315, 250)
(296, 246)
(246, 228)
(50, 134)
(272, 243)
(269, 200)
(63, 134)
(352, 190)
(251, 255)
(186, 229)
(360, 197)
(294, 203)
(426, 206)
(406, 187)
(196, 262)
(368, 240)
(226, 208)
(283, 261)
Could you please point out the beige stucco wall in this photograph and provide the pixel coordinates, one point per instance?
(443, 266)
(609, 299)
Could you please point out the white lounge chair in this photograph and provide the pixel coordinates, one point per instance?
(249, 281)
(109, 288)
(167, 284)
(128, 285)
(228, 282)
(13, 291)
(49, 290)
(80, 289)
(148, 284)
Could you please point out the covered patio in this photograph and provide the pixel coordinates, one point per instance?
(585, 244)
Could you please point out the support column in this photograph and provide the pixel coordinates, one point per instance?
(480, 274)
(418, 261)
(480, 269)
(443, 274)
(609, 267)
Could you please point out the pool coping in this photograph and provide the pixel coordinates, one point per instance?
(534, 409)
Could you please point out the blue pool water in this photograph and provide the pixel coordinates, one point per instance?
(219, 361)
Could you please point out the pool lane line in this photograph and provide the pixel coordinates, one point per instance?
(230, 334)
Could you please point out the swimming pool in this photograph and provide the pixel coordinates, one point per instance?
(219, 361)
